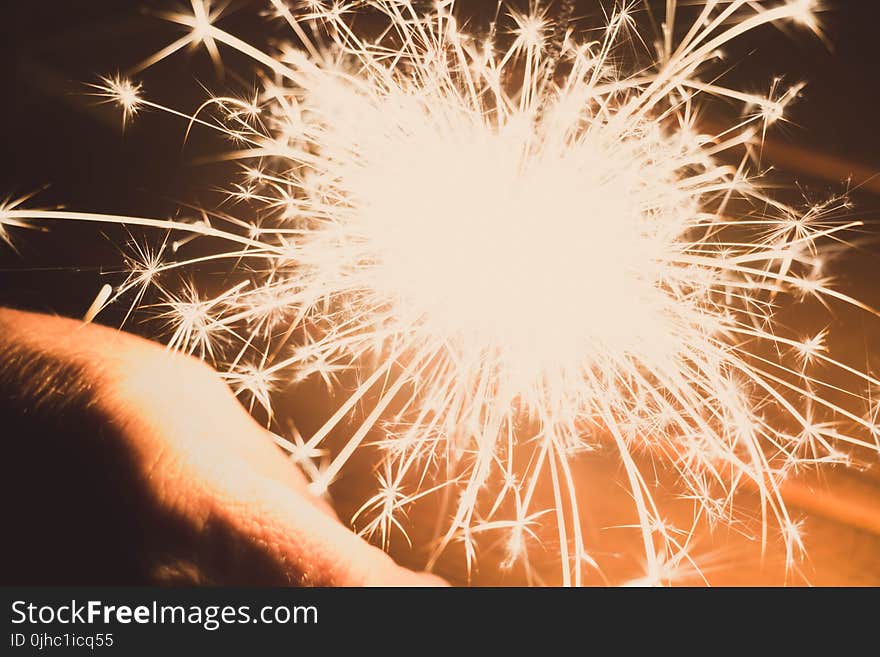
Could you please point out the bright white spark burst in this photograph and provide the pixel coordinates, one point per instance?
(524, 246)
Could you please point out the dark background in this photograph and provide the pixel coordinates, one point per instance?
(54, 134)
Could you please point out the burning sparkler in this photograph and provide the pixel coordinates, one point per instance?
(525, 247)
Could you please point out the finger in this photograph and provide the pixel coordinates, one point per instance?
(317, 549)
(201, 458)
(222, 450)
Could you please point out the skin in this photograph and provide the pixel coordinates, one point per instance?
(127, 464)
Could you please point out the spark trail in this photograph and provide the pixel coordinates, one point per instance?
(525, 247)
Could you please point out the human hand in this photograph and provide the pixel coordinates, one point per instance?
(128, 464)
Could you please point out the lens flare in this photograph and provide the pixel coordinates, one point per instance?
(525, 244)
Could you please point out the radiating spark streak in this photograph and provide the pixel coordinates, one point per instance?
(200, 229)
(520, 244)
(349, 404)
(100, 301)
(121, 92)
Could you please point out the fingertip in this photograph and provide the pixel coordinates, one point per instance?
(431, 580)
(393, 575)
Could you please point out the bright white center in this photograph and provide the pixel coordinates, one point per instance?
(547, 261)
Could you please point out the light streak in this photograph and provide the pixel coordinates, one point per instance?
(524, 247)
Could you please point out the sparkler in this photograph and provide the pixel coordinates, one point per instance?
(525, 246)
